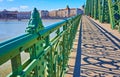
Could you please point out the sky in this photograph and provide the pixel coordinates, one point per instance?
(28, 5)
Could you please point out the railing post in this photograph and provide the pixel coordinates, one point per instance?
(49, 57)
(34, 26)
(65, 45)
(16, 66)
(72, 32)
(96, 9)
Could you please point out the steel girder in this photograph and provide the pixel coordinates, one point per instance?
(114, 11)
(105, 11)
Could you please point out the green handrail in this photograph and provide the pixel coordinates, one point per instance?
(48, 57)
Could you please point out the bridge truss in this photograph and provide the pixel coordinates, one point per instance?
(105, 11)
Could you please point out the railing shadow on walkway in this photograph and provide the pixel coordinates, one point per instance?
(102, 66)
(99, 63)
(102, 29)
(78, 56)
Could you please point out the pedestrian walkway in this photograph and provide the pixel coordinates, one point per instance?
(100, 52)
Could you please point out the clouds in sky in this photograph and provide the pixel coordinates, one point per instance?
(13, 9)
(10, 0)
(22, 7)
(7, 0)
(1, 0)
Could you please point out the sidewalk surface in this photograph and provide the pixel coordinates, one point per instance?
(100, 51)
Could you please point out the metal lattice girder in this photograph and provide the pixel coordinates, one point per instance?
(98, 9)
(114, 11)
(103, 11)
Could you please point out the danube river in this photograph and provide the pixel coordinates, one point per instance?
(12, 28)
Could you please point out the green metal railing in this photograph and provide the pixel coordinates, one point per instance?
(105, 11)
(48, 56)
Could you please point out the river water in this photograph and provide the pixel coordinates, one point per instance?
(12, 28)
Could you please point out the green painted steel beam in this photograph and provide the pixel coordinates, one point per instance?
(114, 11)
(100, 10)
(95, 9)
(87, 7)
(92, 8)
(105, 11)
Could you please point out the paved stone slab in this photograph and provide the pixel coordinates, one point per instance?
(100, 54)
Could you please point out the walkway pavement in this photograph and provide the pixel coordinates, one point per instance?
(100, 52)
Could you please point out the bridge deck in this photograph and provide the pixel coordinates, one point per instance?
(100, 52)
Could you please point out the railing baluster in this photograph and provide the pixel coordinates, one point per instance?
(16, 65)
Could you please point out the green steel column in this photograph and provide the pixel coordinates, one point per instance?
(114, 11)
(105, 11)
(111, 14)
(102, 9)
(34, 26)
(119, 15)
(92, 8)
(99, 10)
(95, 9)
(100, 3)
(88, 8)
